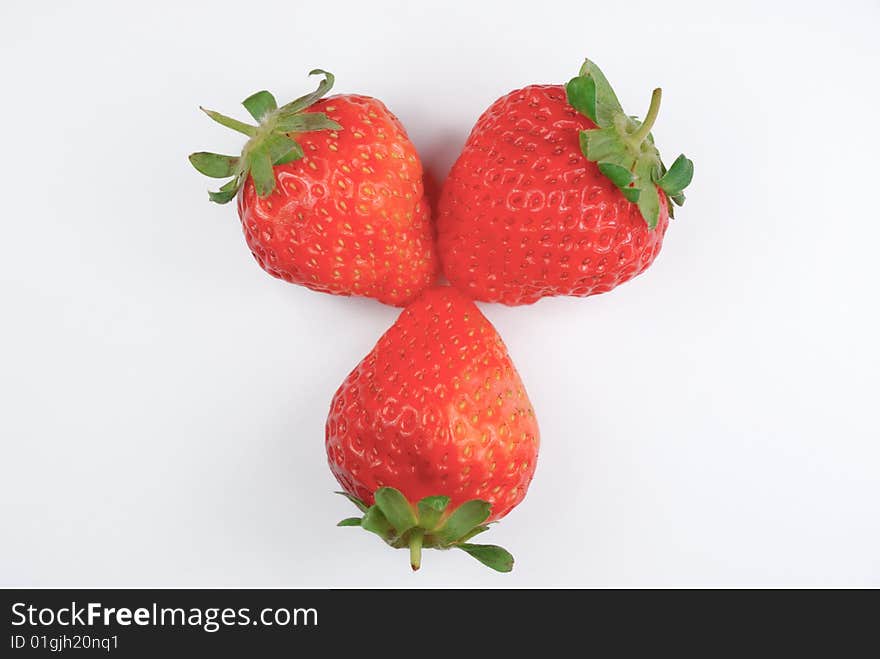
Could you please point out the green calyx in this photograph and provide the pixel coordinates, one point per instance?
(271, 142)
(623, 146)
(428, 525)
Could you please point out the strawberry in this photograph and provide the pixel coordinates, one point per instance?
(329, 194)
(556, 192)
(432, 435)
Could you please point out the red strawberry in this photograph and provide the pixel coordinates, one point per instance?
(433, 434)
(330, 195)
(557, 192)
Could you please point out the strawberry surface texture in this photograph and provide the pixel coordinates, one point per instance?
(524, 214)
(350, 216)
(330, 195)
(436, 408)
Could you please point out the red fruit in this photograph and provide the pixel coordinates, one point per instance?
(557, 192)
(433, 434)
(330, 195)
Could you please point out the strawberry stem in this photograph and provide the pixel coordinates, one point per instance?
(415, 548)
(650, 118)
(229, 122)
(622, 146)
(272, 142)
(426, 525)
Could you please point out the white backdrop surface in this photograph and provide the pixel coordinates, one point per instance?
(712, 423)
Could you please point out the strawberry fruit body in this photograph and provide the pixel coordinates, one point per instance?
(432, 435)
(330, 195)
(556, 192)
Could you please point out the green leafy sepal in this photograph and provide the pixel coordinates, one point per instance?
(428, 525)
(623, 146)
(271, 142)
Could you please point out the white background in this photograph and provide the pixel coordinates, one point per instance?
(712, 423)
